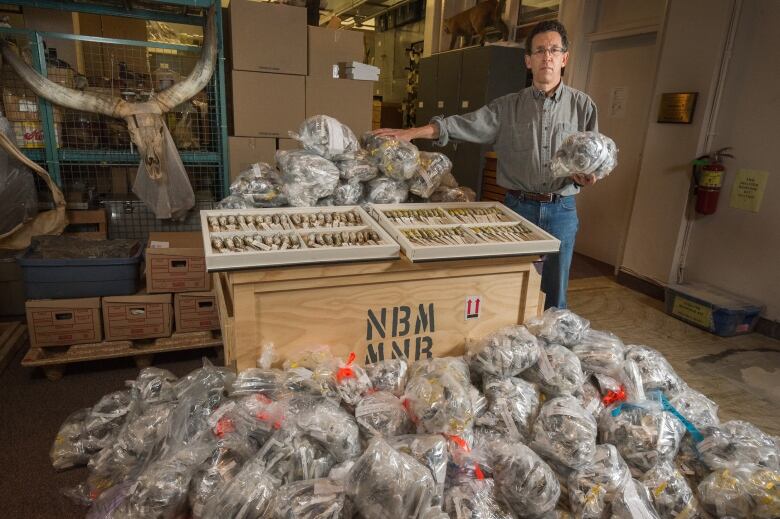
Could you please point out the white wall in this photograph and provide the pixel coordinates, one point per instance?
(689, 62)
(734, 249)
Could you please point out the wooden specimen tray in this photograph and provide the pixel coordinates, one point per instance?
(472, 230)
(53, 360)
(387, 248)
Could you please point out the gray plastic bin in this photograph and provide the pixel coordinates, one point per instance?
(88, 277)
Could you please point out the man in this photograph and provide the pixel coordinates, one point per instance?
(526, 128)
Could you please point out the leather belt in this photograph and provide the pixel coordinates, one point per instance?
(544, 198)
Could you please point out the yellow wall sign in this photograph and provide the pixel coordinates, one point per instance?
(748, 189)
(692, 311)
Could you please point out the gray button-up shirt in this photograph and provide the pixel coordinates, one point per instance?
(526, 128)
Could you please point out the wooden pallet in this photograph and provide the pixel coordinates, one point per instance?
(12, 336)
(54, 360)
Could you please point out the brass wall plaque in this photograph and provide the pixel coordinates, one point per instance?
(677, 107)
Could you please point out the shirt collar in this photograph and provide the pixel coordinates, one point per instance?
(538, 94)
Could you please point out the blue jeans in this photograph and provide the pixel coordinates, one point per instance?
(558, 218)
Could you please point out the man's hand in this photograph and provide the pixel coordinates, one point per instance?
(429, 131)
(584, 180)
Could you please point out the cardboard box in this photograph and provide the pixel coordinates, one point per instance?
(175, 262)
(347, 100)
(288, 144)
(196, 312)
(63, 322)
(120, 180)
(141, 316)
(245, 151)
(62, 76)
(30, 134)
(21, 105)
(267, 105)
(327, 47)
(267, 37)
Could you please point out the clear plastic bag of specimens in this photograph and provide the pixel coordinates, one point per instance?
(387, 484)
(565, 432)
(600, 352)
(585, 153)
(513, 404)
(396, 158)
(223, 464)
(593, 487)
(560, 327)
(261, 185)
(161, 489)
(385, 190)
(432, 451)
(307, 176)
(327, 137)
(453, 194)
(558, 371)
(382, 414)
(527, 484)
(633, 503)
(739, 442)
(643, 432)
(433, 167)
(360, 167)
(332, 427)
(671, 494)
(742, 490)
(655, 372)
(696, 408)
(388, 375)
(439, 397)
(348, 193)
(310, 499)
(246, 496)
(475, 499)
(504, 353)
(68, 448)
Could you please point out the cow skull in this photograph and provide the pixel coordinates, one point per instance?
(144, 122)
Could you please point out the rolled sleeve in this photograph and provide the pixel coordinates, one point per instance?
(480, 126)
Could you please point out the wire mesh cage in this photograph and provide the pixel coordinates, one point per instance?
(92, 156)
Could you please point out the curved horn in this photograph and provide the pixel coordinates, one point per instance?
(59, 94)
(200, 75)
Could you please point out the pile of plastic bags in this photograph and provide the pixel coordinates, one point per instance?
(548, 420)
(335, 168)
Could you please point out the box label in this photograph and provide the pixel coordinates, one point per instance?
(694, 312)
(400, 332)
(472, 307)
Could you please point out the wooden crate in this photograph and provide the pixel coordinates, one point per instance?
(491, 191)
(89, 224)
(372, 308)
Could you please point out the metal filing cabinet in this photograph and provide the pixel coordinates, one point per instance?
(461, 81)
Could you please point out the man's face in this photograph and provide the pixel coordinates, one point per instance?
(547, 57)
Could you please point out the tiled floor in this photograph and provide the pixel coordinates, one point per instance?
(740, 374)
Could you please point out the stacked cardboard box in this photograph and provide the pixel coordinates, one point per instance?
(20, 107)
(177, 285)
(281, 72)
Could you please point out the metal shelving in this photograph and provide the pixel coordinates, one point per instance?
(79, 148)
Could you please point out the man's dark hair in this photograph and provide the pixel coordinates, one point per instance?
(547, 26)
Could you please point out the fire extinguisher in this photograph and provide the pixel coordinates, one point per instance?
(708, 173)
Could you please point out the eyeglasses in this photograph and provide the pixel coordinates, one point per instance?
(555, 52)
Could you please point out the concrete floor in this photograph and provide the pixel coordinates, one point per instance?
(740, 374)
